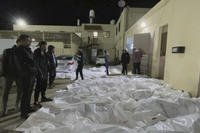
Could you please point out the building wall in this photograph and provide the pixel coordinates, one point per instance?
(60, 50)
(59, 45)
(119, 33)
(50, 28)
(182, 18)
(6, 43)
(128, 17)
(134, 14)
(106, 43)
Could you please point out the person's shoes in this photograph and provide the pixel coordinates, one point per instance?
(17, 108)
(45, 99)
(31, 109)
(37, 104)
(4, 112)
(24, 116)
(51, 86)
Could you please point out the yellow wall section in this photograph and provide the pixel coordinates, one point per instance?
(183, 19)
(60, 50)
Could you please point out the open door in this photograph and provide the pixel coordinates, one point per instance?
(143, 41)
(163, 44)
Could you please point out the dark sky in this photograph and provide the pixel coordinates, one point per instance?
(63, 12)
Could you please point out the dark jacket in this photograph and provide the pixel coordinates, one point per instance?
(79, 59)
(125, 58)
(25, 57)
(52, 60)
(41, 62)
(5, 62)
(106, 58)
(1, 72)
(11, 67)
(137, 56)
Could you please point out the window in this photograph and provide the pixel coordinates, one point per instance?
(106, 34)
(78, 34)
(95, 34)
(67, 46)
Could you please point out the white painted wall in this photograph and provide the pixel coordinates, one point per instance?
(60, 50)
(50, 28)
(183, 19)
(119, 35)
(105, 43)
(134, 14)
(6, 43)
(128, 17)
(59, 46)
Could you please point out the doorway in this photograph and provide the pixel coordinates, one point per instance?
(163, 45)
(143, 41)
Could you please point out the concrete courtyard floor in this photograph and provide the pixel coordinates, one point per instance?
(12, 120)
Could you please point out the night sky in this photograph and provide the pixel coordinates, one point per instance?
(63, 12)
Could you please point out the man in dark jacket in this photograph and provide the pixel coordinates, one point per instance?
(52, 64)
(10, 76)
(41, 62)
(79, 59)
(1, 56)
(27, 76)
(137, 57)
(106, 58)
(125, 58)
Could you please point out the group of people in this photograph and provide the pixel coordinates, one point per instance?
(28, 68)
(125, 59)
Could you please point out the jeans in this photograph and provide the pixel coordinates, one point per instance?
(8, 81)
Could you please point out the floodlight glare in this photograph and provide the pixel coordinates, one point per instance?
(21, 22)
(143, 24)
(33, 39)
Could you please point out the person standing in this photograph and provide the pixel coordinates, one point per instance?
(106, 58)
(10, 76)
(1, 66)
(41, 62)
(79, 59)
(27, 76)
(137, 57)
(52, 64)
(125, 58)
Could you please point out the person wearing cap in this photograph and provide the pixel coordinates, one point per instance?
(106, 58)
(27, 76)
(79, 59)
(41, 61)
(137, 57)
(52, 64)
(9, 78)
(125, 58)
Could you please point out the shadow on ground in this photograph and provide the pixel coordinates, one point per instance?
(12, 120)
